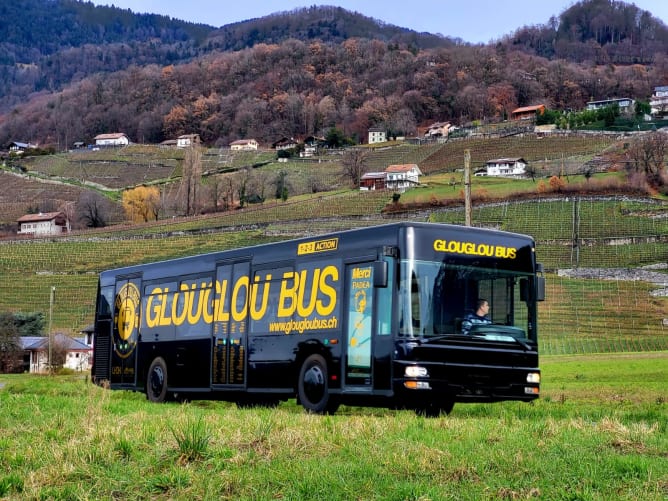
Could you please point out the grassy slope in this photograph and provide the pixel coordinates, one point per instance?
(598, 433)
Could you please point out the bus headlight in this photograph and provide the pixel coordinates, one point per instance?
(533, 377)
(416, 371)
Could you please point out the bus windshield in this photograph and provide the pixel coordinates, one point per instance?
(435, 299)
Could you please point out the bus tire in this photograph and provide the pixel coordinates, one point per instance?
(313, 388)
(156, 381)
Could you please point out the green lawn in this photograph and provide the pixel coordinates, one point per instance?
(599, 432)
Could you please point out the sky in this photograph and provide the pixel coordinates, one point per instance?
(474, 21)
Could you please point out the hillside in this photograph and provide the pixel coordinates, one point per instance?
(51, 43)
(303, 73)
(49, 181)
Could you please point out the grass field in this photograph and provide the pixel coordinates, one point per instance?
(599, 432)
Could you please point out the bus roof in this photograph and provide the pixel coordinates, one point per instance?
(356, 239)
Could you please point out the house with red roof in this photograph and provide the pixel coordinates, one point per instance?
(527, 112)
(402, 176)
(42, 224)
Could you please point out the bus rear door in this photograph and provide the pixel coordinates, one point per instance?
(127, 303)
(230, 329)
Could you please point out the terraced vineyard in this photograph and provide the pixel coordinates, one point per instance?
(580, 314)
(558, 148)
(18, 193)
(604, 313)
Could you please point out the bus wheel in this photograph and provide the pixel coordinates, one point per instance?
(434, 410)
(312, 387)
(156, 382)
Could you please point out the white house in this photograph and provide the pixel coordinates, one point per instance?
(659, 101)
(18, 147)
(79, 356)
(377, 135)
(506, 167)
(625, 104)
(244, 145)
(187, 140)
(438, 129)
(113, 139)
(48, 223)
(402, 176)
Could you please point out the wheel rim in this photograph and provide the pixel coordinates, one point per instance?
(157, 380)
(314, 384)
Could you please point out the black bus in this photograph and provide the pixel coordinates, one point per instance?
(369, 317)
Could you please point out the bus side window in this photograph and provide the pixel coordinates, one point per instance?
(415, 302)
(105, 302)
(384, 302)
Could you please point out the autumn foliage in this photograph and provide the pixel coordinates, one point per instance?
(267, 88)
(142, 204)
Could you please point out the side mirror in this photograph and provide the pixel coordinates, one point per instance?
(540, 288)
(380, 274)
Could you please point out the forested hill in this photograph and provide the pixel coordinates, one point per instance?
(326, 24)
(50, 43)
(70, 70)
(599, 31)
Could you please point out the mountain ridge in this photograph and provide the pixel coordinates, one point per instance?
(305, 71)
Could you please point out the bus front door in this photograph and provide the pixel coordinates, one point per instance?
(228, 363)
(359, 326)
(125, 331)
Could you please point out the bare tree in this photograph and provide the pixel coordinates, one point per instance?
(93, 209)
(59, 349)
(191, 179)
(354, 164)
(647, 154)
(214, 185)
(243, 179)
(260, 181)
(229, 189)
(67, 208)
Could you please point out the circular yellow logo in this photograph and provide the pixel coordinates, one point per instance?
(126, 319)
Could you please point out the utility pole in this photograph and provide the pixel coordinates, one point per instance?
(467, 187)
(52, 299)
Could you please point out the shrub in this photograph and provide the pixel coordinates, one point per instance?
(556, 183)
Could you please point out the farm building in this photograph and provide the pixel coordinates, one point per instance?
(48, 223)
(373, 181)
